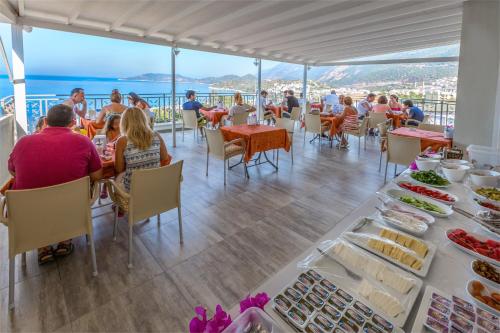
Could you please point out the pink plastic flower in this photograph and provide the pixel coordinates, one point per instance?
(219, 321)
(260, 300)
(199, 322)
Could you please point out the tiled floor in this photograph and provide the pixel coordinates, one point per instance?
(234, 238)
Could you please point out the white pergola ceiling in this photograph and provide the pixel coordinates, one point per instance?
(307, 31)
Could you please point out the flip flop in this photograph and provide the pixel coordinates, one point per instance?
(63, 249)
(45, 257)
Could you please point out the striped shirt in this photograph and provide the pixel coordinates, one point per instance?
(136, 159)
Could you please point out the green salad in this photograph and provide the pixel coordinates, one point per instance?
(422, 204)
(429, 177)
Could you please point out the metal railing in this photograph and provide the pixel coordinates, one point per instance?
(440, 111)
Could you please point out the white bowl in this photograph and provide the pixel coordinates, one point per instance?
(455, 173)
(453, 161)
(487, 290)
(485, 178)
(427, 164)
(483, 279)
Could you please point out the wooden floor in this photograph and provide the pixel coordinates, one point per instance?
(235, 237)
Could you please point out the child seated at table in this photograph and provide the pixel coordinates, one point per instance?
(113, 128)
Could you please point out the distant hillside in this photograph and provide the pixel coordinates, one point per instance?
(209, 80)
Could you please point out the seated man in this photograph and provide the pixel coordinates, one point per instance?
(412, 112)
(193, 104)
(267, 108)
(239, 106)
(77, 96)
(54, 156)
(291, 102)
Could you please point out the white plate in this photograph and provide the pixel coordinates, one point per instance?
(483, 279)
(455, 198)
(438, 186)
(392, 204)
(396, 194)
(480, 304)
(473, 189)
(480, 207)
(369, 226)
(473, 253)
(332, 270)
(402, 226)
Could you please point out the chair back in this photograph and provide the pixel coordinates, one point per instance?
(328, 108)
(286, 123)
(383, 128)
(240, 118)
(295, 114)
(154, 191)
(215, 142)
(313, 123)
(189, 119)
(431, 127)
(401, 149)
(376, 118)
(48, 215)
(364, 125)
(426, 119)
(308, 107)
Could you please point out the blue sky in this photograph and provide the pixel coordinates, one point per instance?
(60, 53)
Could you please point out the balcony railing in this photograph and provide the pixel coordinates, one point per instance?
(441, 111)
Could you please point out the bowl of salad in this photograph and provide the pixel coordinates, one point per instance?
(430, 178)
(486, 194)
(421, 202)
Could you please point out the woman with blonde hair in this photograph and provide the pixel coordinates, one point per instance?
(139, 147)
(239, 106)
(115, 107)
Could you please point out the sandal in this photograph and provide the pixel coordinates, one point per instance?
(64, 249)
(45, 256)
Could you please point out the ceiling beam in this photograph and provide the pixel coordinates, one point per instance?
(20, 7)
(137, 6)
(386, 49)
(390, 61)
(417, 20)
(313, 23)
(366, 40)
(7, 13)
(75, 12)
(268, 22)
(227, 17)
(375, 44)
(178, 16)
(388, 18)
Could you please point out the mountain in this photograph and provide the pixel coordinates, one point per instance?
(370, 74)
(209, 80)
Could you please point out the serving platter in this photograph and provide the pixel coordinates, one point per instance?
(426, 184)
(428, 187)
(471, 252)
(397, 194)
(400, 225)
(369, 227)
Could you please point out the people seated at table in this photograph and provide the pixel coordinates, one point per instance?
(394, 103)
(365, 105)
(381, 106)
(113, 128)
(138, 102)
(291, 102)
(349, 120)
(239, 106)
(412, 113)
(115, 107)
(268, 109)
(76, 97)
(193, 104)
(330, 101)
(41, 123)
(339, 107)
(139, 147)
(54, 156)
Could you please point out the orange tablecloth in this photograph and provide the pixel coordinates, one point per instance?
(215, 116)
(396, 119)
(275, 109)
(91, 127)
(258, 138)
(427, 138)
(335, 124)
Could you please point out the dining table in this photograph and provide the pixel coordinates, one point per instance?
(335, 124)
(435, 140)
(215, 116)
(397, 118)
(258, 139)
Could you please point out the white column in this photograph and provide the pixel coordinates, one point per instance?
(476, 119)
(304, 88)
(173, 51)
(259, 89)
(19, 77)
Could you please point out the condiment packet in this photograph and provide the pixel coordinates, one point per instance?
(441, 299)
(435, 325)
(461, 323)
(486, 315)
(489, 326)
(435, 314)
(440, 307)
(464, 313)
(466, 305)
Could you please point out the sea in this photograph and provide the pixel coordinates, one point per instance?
(62, 85)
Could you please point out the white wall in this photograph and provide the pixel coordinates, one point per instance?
(6, 144)
(478, 74)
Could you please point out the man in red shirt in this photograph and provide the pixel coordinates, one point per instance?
(54, 156)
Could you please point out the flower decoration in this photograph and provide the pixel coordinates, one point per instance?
(259, 301)
(200, 324)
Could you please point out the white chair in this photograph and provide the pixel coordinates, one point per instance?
(401, 150)
(313, 125)
(295, 114)
(416, 123)
(383, 129)
(431, 127)
(44, 216)
(239, 118)
(190, 121)
(359, 132)
(152, 192)
(224, 150)
(376, 118)
(289, 125)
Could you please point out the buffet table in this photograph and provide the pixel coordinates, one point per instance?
(449, 271)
